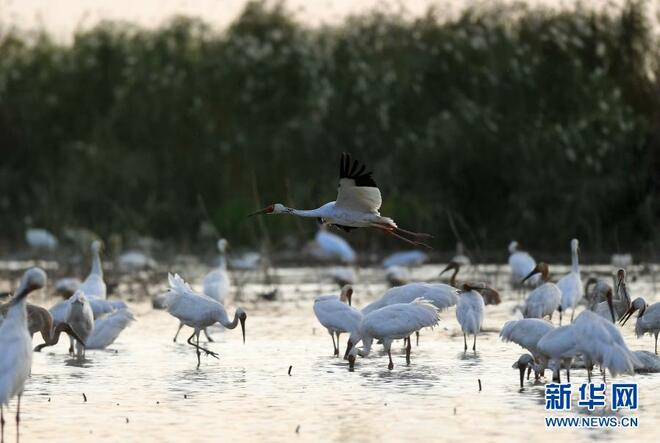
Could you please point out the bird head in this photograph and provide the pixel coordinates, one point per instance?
(524, 363)
(638, 304)
(32, 279)
(575, 245)
(513, 247)
(79, 297)
(242, 317)
(620, 279)
(223, 245)
(97, 246)
(346, 294)
(276, 208)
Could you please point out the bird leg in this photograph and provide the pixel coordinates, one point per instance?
(416, 337)
(414, 234)
(2, 424)
(560, 316)
(177, 332)
(337, 354)
(474, 345)
(208, 337)
(656, 343)
(572, 314)
(18, 416)
(335, 349)
(529, 372)
(568, 373)
(391, 231)
(408, 352)
(71, 346)
(465, 341)
(391, 365)
(199, 348)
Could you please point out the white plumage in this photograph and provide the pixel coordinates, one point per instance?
(108, 327)
(16, 342)
(357, 204)
(526, 333)
(521, 264)
(336, 315)
(570, 285)
(217, 283)
(392, 322)
(331, 247)
(131, 261)
(542, 301)
(470, 315)
(40, 238)
(440, 295)
(599, 341)
(94, 286)
(80, 317)
(557, 347)
(397, 275)
(199, 311)
(406, 258)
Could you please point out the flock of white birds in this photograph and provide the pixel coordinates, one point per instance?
(92, 321)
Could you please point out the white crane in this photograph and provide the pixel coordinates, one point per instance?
(521, 264)
(397, 275)
(40, 238)
(470, 313)
(107, 328)
(398, 321)
(543, 300)
(343, 275)
(527, 333)
(357, 205)
(648, 319)
(16, 345)
(556, 347)
(217, 283)
(406, 258)
(337, 315)
(80, 318)
(570, 285)
(65, 287)
(328, 246)
(599, 341)
(460, 256)
(199, 311)
(94, 286)
(440, 295)
(595, 291)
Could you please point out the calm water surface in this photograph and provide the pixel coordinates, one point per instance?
(146, 388)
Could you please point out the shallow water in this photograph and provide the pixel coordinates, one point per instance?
(147, 388)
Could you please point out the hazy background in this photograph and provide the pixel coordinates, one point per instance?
(484, 122)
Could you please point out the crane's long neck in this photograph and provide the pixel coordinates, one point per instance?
(222, 262)
(97, 267)
(310, 213)
(452, 281)
(575, 264)
(229, 324)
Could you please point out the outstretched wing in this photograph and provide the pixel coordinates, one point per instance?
(357, 189)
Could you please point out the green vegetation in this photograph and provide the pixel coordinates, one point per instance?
(501, 123)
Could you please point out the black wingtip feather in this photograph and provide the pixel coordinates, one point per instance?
(355, 171)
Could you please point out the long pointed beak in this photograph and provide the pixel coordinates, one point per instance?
(242, 320)
(351, 362)
(609, 304)
(349, 296)
(626, 316)
(522, 375)
(260, 211)
(534, 271)
(449, 266)
(65, 327)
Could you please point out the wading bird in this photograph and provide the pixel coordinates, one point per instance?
(440, 295)
(543, 300)
(490, 295)
(599, 341)
(620, 304)
(217, 283)
(397, 275)
(199, 311)
(648, 319)
(527, 333)
(108, 327)
(406, 258)
(94, 286)
(556, 347)
(398, 321)
(570, 285)
(337, 315)
(328, 246)
(524, 363)
(470, 313)
(521, 264)
(16, 346)
(80, 317)
(357, 205)
(595, 290)
(40, 320)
